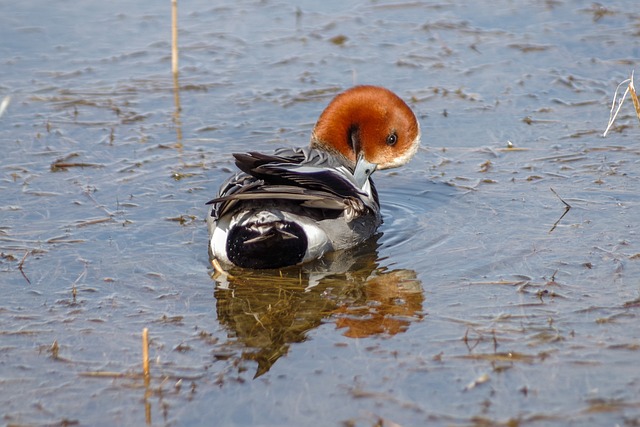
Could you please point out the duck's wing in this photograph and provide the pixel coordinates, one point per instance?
(304, 176)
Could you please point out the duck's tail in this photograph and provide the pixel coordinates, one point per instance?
(266, 242)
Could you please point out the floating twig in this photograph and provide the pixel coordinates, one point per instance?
(64, 163)
(565, 203)
(567, 208)
(89, 193)
(555, 224)
(21, 267)
(92, 221)
(62, 166)
(108, 374)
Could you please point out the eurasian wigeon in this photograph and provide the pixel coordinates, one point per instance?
(297, 204)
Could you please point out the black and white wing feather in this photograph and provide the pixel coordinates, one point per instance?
(304, 176)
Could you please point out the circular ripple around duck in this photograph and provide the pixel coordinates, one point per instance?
(412, 218)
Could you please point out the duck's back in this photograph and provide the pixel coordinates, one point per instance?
(288, 208)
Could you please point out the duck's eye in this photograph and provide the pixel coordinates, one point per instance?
(392, 139)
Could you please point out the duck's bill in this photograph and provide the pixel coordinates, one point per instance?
(363, 170)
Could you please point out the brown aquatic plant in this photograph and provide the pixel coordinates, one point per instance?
(615, 107)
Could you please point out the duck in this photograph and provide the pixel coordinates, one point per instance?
(297, 204)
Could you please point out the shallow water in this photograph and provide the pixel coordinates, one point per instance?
(478, 304)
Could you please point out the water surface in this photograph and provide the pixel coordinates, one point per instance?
(478, 304)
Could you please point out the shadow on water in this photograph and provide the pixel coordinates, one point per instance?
(267, 311)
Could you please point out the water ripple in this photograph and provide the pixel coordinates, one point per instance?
(408, 214)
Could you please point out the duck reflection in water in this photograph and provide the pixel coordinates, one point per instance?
(267, 310)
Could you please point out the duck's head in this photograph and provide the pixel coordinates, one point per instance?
(368, 127)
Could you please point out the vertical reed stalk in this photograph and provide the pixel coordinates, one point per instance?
(145, 353)
(174, 70)
(174, 37)
(147, 375)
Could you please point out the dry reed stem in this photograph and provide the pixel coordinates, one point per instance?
(174, 70)
(176, 114)
(615, 110)
(174, 37)
(634, 97)
(145, 353)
